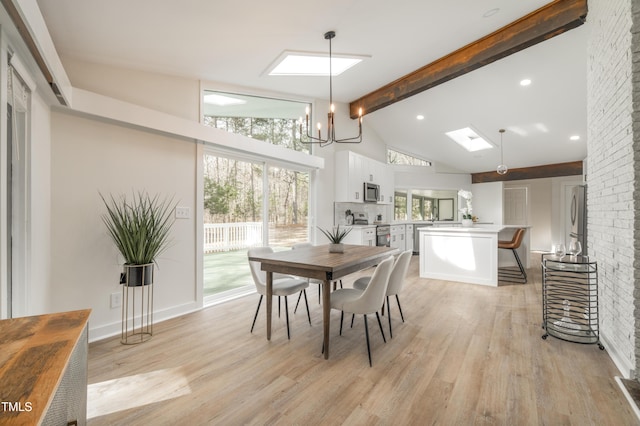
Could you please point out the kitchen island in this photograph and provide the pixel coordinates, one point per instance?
(462, 254)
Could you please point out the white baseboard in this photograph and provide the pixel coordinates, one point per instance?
(628, 396)
(624, 365)
(115, 328)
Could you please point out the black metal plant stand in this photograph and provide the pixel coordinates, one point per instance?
(137, 304)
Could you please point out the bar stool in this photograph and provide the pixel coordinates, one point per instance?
(508, 274)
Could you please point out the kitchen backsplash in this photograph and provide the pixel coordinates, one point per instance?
(371, 210)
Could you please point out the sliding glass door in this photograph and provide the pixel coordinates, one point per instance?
(288, 207)
(248, 203)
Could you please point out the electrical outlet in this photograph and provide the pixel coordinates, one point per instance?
(116, 300)
(182, 212)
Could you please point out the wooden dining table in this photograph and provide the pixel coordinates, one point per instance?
(317, 262)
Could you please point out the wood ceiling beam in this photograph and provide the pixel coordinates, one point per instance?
(536, 172)
(549, 21)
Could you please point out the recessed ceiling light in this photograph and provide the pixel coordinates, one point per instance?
(469, 139)
(525, 82)
(312, 64)
(575, 138)
(491, 12)
(420, 117)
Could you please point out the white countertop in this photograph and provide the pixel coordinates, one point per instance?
(460, 229)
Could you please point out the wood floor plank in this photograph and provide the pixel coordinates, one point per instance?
(466, 354)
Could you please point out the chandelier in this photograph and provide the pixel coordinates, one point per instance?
(331, 130)
(502, 168)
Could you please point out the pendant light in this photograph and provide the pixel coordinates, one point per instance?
(331, 130)
(502, 168)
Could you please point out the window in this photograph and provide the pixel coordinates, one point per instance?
(238, 215)
(422, 208)
(400, 206)
(271, 120)
(395, 157)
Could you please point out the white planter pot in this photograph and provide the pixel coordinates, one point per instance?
(467, 223)
(336, 248)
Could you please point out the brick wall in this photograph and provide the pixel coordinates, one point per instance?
(613, 171)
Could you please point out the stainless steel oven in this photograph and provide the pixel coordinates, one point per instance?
(383, 235)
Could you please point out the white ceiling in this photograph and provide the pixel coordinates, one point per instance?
(234, 41)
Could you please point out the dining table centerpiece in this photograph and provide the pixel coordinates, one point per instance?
(335, 236)
(467, 210)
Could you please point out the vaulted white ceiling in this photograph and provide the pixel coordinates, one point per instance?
(234, 41)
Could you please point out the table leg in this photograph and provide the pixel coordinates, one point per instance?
(326, 315)
(269, 302)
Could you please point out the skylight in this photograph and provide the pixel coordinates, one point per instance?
(312, 64)
(469, 139)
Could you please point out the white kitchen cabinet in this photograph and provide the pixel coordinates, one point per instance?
(349, 182)
(352, 170)
(362, 236)
(408, 236)
(398, 237)
(386, 182)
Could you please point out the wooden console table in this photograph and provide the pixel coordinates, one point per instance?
(43, 369)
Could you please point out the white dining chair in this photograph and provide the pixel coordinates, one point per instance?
(365, 301)
(310, 280)
(396, 282)
(283, 285)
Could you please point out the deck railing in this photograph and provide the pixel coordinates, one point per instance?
(231, 236)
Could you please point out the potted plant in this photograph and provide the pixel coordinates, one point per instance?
(140, 230)
(335, 237)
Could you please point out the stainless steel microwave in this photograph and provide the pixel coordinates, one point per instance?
(371, 192)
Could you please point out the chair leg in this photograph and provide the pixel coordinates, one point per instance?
(341, 319)
(389, 316)
(306, 302)
(319, 290)
(352, 318)
(286, 309)
(278, 306)
(380, 325)
(522, 270)
(296, 308)
(366, 333)
(256, 315)
(399, 307)
(508, 274)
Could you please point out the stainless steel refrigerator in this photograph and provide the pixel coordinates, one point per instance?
(578, 216)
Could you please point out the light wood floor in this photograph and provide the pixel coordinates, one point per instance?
(467, 354)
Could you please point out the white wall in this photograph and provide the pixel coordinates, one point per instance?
(548, 212)
(426, 179)
(173, 95)
(613, 82)
(39, 286)
(487, 202)
(90, 156)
